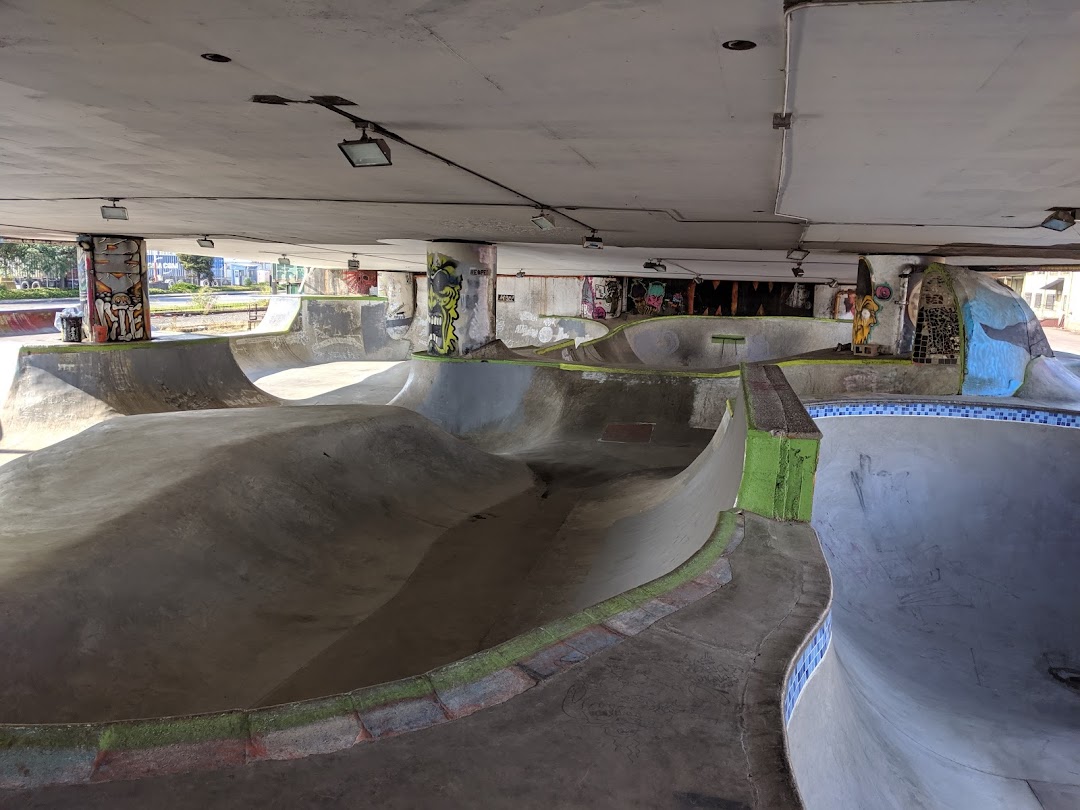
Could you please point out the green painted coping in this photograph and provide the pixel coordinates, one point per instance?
(68, 348)
(578, 366)
(305, 712)
(53, 737)
(627, 324)
(339, 297)
(127, 735)
(727, 338)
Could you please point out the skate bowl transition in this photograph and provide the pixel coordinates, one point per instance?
(211, 616)
(950, 679)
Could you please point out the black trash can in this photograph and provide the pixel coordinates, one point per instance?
(72, 328)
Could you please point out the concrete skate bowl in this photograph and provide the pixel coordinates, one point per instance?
(296, 552)
(707, 342)
(56, 391)
(953, 552)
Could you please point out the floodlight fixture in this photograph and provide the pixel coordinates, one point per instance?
(1060, 219)
(797, 255)
(797, 271)
(205, 242)
(592, 242)
(366, 152)
(542, 222)
(655, 264)
(114, 211)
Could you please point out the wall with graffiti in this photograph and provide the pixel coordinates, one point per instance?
(601, 298)
(112, 285)
(461, 291)
(652, 296)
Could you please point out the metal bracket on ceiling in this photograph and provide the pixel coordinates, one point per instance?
(781, 121)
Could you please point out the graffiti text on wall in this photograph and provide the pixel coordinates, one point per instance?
(601, 298)
(444, 296)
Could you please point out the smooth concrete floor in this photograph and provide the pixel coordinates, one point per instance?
(366, 380)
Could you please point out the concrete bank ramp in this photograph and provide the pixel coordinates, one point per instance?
(954, 555)
(708, 342)
(59, 390)
(1051, 380)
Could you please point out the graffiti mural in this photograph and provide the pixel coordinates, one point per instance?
(865, 320)
(718, 297)
(117, 291)
(444, 298)
(601, 298)
(360, 282)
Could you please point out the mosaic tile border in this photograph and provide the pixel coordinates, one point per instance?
(805, 666)
(1001, 413)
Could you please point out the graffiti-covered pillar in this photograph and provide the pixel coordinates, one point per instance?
(399, 290)
(882, 316)
(112, 287)
(461, 296)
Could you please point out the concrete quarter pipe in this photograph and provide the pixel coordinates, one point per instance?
(954, 554)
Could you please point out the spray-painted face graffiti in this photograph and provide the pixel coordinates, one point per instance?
(865, 319)
(444, 295)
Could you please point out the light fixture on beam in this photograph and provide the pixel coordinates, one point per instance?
(366, 152)
(284, 261)
(833, 283)
(114, 211)
(656, 265)
(592, 242)
(797, 271)
(542, 222)
(205, 242)
(1060, 219)
(519, 274)
(354, 263)
(797, 255)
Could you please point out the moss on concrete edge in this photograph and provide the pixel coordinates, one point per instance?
(579, 366)
(198, 728)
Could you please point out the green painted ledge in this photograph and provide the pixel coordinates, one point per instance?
(75, 348)
(778, 466)
(128, 735)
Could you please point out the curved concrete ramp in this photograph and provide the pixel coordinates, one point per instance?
(301, 551)
(59, 390)
(1052, 381)
(954, 557)
(708, 342)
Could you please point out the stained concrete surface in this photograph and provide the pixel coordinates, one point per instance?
(684, 715)
(954, 558)
(370, 382)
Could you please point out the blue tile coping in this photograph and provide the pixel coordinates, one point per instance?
(806, 664)
(1001, 413)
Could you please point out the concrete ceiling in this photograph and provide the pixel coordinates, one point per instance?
(934, 126)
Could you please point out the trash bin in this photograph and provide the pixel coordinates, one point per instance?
(72, 328)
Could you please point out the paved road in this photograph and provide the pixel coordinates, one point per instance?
(167, 298)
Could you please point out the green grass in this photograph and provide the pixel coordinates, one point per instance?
(42, 293)
(218, 306)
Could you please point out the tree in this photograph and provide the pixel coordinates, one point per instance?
(199, 266)
(49, 260)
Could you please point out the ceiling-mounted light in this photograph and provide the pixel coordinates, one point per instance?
(833, 283)
(739, 45)
(592, 242)
(284, 261)
(542, 222)
(797, 255)
(205, 242)
(354, 263)
(365, 152)
(655, 264)
(1061, 219)
(797, 271)
(114, 211)
(519, 274)
(698, 279)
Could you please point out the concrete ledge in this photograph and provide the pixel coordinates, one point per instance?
(38, 755)
(781, 447)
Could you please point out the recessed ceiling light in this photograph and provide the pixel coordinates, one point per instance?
(1060, 220)
(215, 57)
(366, 152)
(114, 211)
(740, 45)
(542, 222)
(205, 242)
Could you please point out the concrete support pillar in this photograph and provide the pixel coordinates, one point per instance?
(112, 287)
(461, 296)
(399, 290)
(881, 311)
